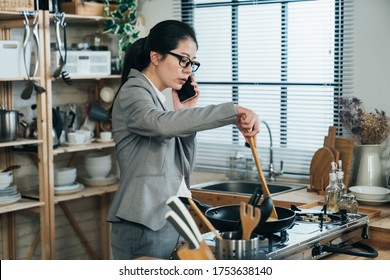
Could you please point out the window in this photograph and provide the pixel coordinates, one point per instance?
(287, 60)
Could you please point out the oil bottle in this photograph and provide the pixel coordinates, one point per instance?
(340, 179)
(332, 191)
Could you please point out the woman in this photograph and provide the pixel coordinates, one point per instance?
(155, 147)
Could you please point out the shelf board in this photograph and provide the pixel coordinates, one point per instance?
(72, 18)
(10, 15)
(20, 141)
(90, 78)
(17, 79)
(20, 205)
(88, 191)
(80, 148)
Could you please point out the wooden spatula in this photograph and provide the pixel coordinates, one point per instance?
(249, 219)
(261, 176)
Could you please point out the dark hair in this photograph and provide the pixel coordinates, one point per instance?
(162, 38)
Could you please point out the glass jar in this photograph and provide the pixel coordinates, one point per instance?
(251, 170)
(349, 203)
(237, 167)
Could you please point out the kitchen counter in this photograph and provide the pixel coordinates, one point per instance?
(379, 226)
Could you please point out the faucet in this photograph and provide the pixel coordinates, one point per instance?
(271, 172)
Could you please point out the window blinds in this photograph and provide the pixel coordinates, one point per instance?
(286, 60)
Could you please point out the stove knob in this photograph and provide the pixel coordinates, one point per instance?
(317, 250)
(365, 232)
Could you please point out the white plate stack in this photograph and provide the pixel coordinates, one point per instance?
(65, 181)
(8, 192)
(371, 195)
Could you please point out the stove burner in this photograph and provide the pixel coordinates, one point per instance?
(272, 241)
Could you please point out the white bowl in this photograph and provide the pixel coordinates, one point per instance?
(98, 158)
(65, 176)
(369, 192)
(98, 170)
(65, 171)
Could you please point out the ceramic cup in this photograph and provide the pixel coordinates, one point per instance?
(76, 138)
(88, 135)
(105, 135)
(97, 113)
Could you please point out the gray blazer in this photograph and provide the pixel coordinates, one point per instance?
(155, 148)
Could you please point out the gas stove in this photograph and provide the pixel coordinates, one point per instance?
(309, 238)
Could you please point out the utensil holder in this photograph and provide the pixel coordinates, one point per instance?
(232, 247)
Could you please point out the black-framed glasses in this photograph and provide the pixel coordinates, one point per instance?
(185, 61)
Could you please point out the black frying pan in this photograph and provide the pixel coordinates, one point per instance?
(225, 218)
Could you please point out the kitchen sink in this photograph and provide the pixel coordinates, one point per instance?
(245, 187)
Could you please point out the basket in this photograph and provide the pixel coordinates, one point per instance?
(17, 5)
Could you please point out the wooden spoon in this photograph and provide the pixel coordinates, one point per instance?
(249, 219)
(266, 191)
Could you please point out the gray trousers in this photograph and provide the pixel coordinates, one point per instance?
(131, 240)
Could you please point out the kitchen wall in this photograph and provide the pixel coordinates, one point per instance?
(372, 53)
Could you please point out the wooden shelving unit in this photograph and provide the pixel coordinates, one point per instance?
(8, 21)
(43, 200)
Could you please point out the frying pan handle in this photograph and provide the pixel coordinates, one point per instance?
(368, 252)
(202, 206)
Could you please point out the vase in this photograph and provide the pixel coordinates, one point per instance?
(369, 172)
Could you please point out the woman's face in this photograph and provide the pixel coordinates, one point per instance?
(169, 71)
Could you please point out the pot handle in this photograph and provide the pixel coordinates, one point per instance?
(367, 251)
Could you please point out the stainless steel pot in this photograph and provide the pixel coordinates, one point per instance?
(9, 124)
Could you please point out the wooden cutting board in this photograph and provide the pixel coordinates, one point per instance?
(320, 167)
(330, 142)
(345, 146)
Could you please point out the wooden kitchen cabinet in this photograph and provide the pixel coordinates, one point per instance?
(10, 97)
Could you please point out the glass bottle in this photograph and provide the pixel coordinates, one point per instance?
(332, 194)
(340, 182)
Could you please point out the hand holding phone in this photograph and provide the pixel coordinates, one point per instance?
(187, 92)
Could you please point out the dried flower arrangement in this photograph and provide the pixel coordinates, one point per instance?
(368, 128)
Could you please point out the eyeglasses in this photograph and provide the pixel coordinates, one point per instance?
(185, 61)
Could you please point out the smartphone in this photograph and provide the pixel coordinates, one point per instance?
(187, 91)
